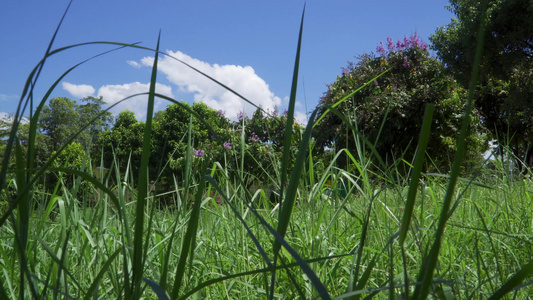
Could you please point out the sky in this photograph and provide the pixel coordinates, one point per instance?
(249, 46)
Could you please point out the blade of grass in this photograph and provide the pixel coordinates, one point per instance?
(23, 222)
(353, 281)
(39, 172)
(425, 275)
(514, 282)
(210, 282)
(348, 96)
(61, 265)
(96, 281)
(287, 142)
(292, 188)
(138, 258)
(286, 206)
(158, 290)
(369, 144)
(315, 281)
(28, 89)
(187, 245)
(417, 172)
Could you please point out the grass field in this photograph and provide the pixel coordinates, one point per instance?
(487, 240)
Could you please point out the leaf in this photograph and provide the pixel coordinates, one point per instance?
(158, 290)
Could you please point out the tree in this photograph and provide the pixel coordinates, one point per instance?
(389, 112)
(91, 113)
(209, 130)
(505, 88)
(123, 142)
(63, 117)
(59, 120)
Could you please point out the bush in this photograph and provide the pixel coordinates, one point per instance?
(389, 111)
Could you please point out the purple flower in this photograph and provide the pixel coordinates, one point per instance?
(406, 62)
(285, 112)
(254, 137)
(275, 112)
(227, 145)
(400, 45)
(198, 153)
(380, 49)
(220, 112)
(375, 82)
(240, 116)
(406, 41)
(344, 71)
(415, 40)
(390, 44)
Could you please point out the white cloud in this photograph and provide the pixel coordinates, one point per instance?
(4, 116)
(300, 117)
(138, 104)
(78, 90)
(4, 97)
(242, 80)
(134, 64)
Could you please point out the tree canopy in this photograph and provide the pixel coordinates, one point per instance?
(63, 117)
(504, 95)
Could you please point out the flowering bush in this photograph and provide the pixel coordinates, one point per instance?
(397, 101)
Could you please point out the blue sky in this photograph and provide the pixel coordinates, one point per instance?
(248, 45)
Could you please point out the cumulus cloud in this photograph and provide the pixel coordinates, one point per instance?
(300, 117)
(134, 64)
(241, 79)
(78, 90)
(114, 93)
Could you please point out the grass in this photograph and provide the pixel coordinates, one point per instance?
(338, 233)
(486, 241)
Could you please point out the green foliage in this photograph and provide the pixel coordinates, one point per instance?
(505, 87)
(91, 109)
(72, 156)
(123, 142)
(59, 120)
(174, 124)
(389, 112)
(62, 118)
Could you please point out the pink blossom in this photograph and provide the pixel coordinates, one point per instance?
(380, 49)
(406, 62)
(406, 41)
(400, 45)
(198, 153)
(390, 44)
(254, 137)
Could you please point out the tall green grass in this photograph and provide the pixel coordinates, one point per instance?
(337, 233)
